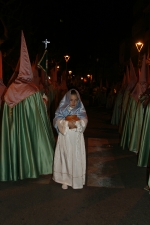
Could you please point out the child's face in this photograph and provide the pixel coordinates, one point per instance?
(73, 101)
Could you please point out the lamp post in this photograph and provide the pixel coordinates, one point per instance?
(139, 46)
(67, 57)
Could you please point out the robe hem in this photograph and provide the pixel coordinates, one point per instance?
(68, 184)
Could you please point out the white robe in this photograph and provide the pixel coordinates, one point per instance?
(70, 156)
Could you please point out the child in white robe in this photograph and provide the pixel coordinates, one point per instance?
(70, 157)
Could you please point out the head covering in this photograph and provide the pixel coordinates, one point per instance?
(23, 86)
(63, 108)
(125, 81)
(142, 84)
(2, 86)
(133, 78)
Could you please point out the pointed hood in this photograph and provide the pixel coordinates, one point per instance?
(25, 70)
(133, 78)
(2, 86)
(142, 84)
(23, 85)
(126, 80)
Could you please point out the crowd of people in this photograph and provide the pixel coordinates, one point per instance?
(27, 142)
(28, 106)
(131, 115)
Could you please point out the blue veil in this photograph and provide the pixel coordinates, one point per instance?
(63, 108)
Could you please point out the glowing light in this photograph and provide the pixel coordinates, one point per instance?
(70, 72)
(139, 46)
(67, 57)
(88, 75)
(57, 67)
(81, 78)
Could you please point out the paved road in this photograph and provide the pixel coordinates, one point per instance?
(113, 194)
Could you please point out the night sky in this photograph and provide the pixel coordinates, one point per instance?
(86, 30)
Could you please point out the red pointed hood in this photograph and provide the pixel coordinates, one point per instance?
(25, 70)
(133, 78)
(23, 86)
(142, 84)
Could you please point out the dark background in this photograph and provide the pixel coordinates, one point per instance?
(89, 31)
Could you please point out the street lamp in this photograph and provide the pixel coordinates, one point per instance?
(67, 57)
(139, 46)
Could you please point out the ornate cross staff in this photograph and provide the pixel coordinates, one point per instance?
(46, 42)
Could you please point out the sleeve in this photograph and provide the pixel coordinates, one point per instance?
(62, 126)
(81, 125)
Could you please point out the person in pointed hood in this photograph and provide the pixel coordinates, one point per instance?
(130, 111)
(144, 143)
(131, 81)
(137, 94)
(26, 141)
(2, 86)
(23, 86)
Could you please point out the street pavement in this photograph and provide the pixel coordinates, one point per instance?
(113, 195)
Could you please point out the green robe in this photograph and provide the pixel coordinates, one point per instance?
(117, 109)
(26, 140)
(137, 127)
(128, 123)
(144, 146)
(123, 109)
